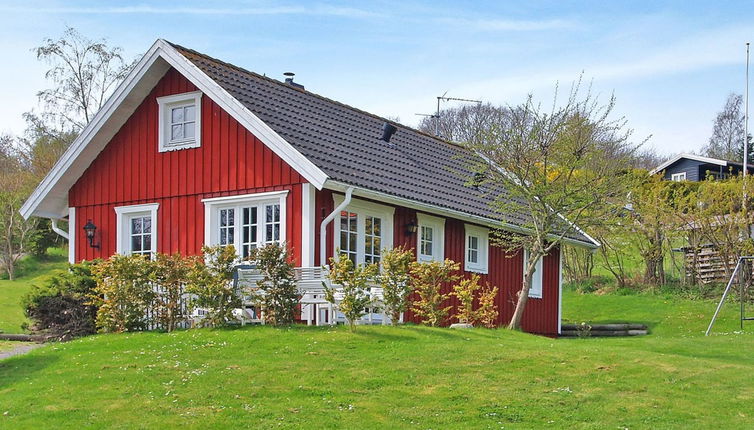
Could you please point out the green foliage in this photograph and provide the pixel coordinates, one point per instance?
(212, 284)
(124, 293)
(428, 280)
(353, 283)
(395, 281)
(171, 273)
(62, 304)
(278, 292)
(43, 238)
(469, 290)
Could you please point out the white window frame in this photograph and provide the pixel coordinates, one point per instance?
(123, 215)
(212, 207)
(438, 237)
(481, 266)
(364, 209)
(537, 280)
(167, 103)
(678, 177)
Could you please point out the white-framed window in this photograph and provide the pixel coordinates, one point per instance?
(476, 249)
(246, 221)
(536, 281)
(136, 229)
(363, 230)
(430, 238)
(180, 121)
(678, 177)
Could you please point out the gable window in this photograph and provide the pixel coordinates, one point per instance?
(246, 222)
(536, 281)
(180, 121)
(136, 229)
(430, 238)
(678, 177)
(476, 249)
(364, 230)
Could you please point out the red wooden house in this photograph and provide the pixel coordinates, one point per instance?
(190, 150)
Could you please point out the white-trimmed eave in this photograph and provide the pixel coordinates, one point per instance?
(72, 167)
(694, 157)
(450, 213)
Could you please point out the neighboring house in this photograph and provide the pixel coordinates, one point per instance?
(690, 167)
(190, 150)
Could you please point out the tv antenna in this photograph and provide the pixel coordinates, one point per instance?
(436, 115)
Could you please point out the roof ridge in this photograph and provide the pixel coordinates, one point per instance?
(321, 97)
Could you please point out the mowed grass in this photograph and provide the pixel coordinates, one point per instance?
(404, 377)
(32, 272)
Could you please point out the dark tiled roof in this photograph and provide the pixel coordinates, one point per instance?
(344, 142)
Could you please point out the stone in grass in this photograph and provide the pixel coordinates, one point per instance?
(461, 326)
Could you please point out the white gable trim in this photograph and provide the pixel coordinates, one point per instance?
(47, 201)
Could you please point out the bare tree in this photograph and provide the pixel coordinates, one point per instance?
(83, 73)
(557, 167)
(458, 124)
(727, 140)
(16, 233)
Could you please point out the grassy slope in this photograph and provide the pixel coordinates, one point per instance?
(11, 292)
(408, 377)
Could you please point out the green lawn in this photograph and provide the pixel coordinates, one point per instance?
(11, 292)
(405, 377)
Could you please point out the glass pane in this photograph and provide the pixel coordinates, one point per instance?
(176, 115)
(188, 130)
(253, 215)
(277, 213)
(368, 247)
(377, 226)
(136, 226)
(245, 251)
(190, 113)
(343, 221)
(176, 132)
(246, 213)
(223, 236)
(135, 243)
(245, 234)
(368, 225)
(223, 218)
(147, 224)
(352, 242)
(343, 241)
(352, 222)
(377, 245)
(277, 231)
(253, 234)
(147, 242)
(231, 217)
(268, 236)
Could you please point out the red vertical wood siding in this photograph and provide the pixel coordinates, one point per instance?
(505, 268)
(131, 170)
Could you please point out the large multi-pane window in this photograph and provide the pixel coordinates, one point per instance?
(246, 222)
(364, 231)
(136, 229)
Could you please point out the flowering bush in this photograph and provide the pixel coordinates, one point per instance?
(170, 274)
(395, 281)
(466, 291)
(211, 282)
(124, 293)
(428, 279)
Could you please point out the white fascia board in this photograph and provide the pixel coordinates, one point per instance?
(67, 166)
(694, 157)
(243, 115)
(441, 211)
(50, 197)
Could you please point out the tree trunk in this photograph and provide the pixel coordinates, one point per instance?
(523, 295)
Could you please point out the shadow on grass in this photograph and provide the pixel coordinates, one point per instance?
(22, 367)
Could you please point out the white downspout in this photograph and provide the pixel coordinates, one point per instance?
(56, 229)
(323, 226)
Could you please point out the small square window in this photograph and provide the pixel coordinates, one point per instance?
(179, 123)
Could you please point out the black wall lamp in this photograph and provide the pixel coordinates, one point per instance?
(90, 230)
(411, 228)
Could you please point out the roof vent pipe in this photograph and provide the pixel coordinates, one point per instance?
(289, 80)
(388, 130)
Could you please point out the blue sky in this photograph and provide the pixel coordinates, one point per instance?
(670, 64)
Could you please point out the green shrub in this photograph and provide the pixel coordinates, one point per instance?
(211, 282)
(124, 293)
(428, 280)
(395, 281)
(62, 305)
(278, 293)
(171, 273)
(353, 282)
